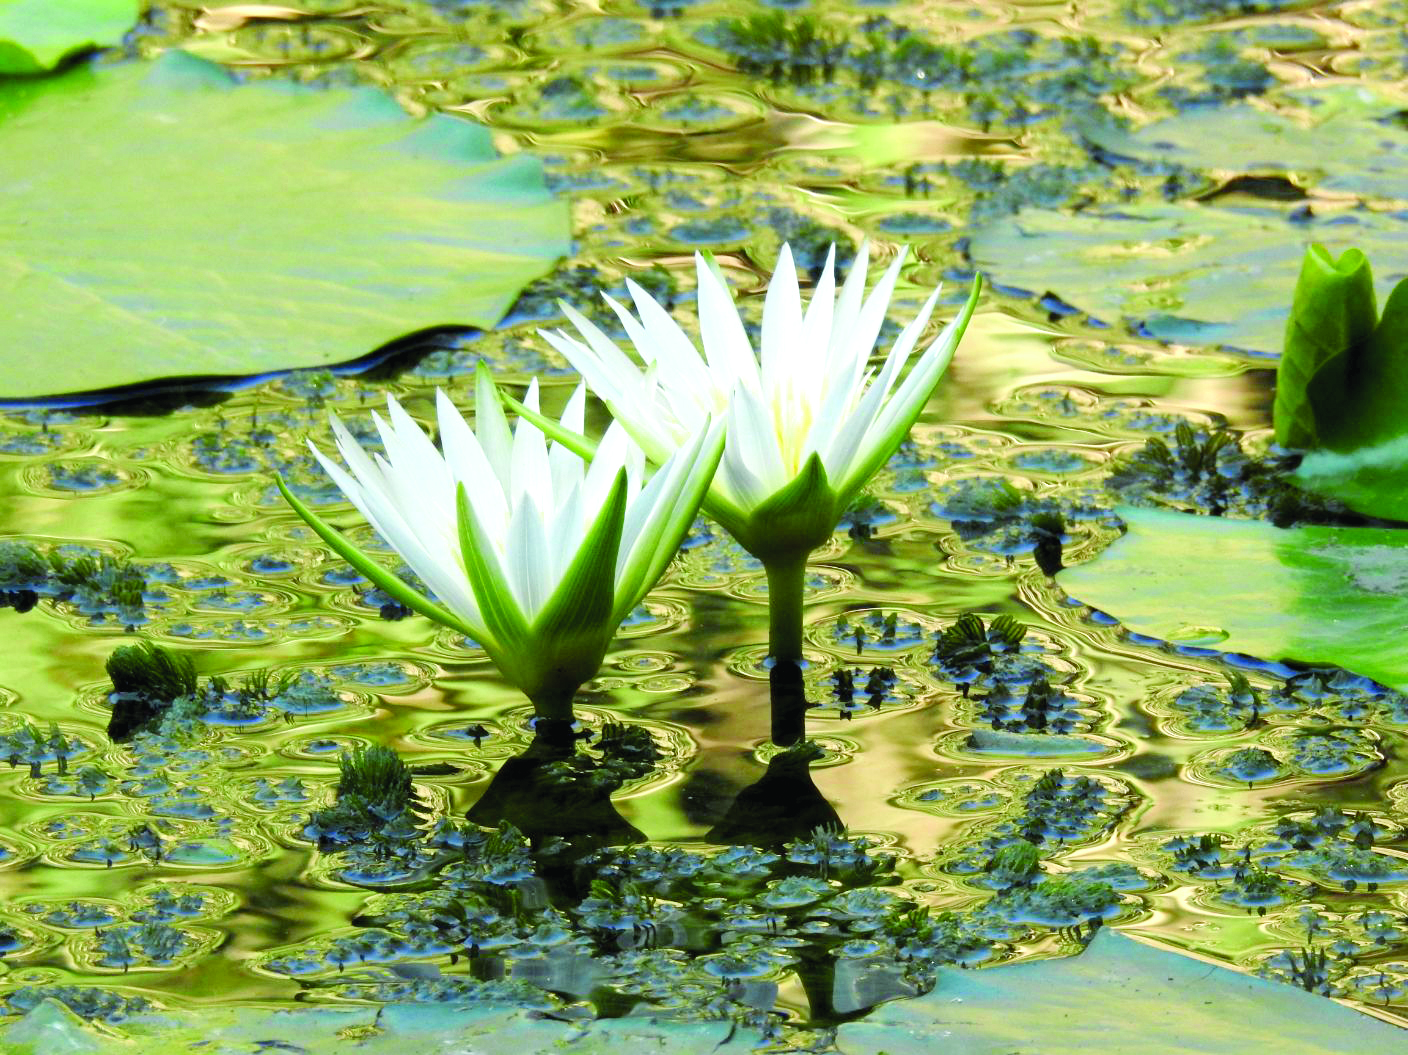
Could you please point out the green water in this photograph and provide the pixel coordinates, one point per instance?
(663, 145)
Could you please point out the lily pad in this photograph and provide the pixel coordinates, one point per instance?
(1343, 140)
(163, 221)
(490, 1028)
(1372, 480)
(36, 35)
(1329, 595)
(1118, 996)
(1184, 273)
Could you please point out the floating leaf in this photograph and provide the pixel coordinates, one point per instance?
(35, 35)
(1372, 480)
(1189, 274)
(1117, 997)
(162, 221)
(1329, 595)
(493, 1022)
(1344, 140)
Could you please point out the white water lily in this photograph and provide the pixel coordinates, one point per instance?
(809, 421)
(533, 553)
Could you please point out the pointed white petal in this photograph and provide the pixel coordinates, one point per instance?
(613, 362)
(752, 435)
(848, 303)
(567, 467)
(726, 345)
(491, 427)
(782, 351)
(529, 461)
(526, 562)
(816, 324)
(609, 460)
(658, 338)
(565, 531)
(468, 463)
(379, 505)
(872, 315)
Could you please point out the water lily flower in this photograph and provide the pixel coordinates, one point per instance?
(809, 421)
(533, 553)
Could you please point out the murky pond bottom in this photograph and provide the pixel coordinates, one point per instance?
(1234, 808)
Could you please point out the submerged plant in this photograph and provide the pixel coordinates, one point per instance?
(807, 423)
(534, 555)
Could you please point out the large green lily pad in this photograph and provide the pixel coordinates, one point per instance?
(163, 221)
(1329, 595)
(1190, 274)
(36, 35)
(1118, 997)
(482, 1029)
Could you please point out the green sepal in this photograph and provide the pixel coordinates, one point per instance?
(575, 626)
(492, 593)
(583, 447)
(794, 519)
(390, 583)
(1331, 323)
(644, 569)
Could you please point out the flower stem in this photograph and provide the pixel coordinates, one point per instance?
(553, 704)
(786, 578)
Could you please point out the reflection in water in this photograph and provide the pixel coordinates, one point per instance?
(551, 790)
(782, 806)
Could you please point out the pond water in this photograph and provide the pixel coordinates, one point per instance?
(1211, 804)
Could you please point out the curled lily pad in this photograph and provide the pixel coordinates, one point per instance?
(1342, 382)
(1327, 595)
(197, 227)
(36, 35)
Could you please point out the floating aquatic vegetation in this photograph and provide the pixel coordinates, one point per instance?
(97, 584)
(1011, 78)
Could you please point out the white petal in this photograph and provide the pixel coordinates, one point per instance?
(752, 436)
(848, 303)
(568, 468)
(737, 483)
(565, 533)
(726, 345)
(614, 363)
(601, 474)
(816, 325)
(531, 473)
(412, 456)
(783, 351)
(442, 573)
(469, 465)
(872, 315)
(491, 427)
(526, 561)
(661, 340)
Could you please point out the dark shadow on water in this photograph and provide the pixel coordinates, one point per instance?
(544, 796)
(783, 805)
